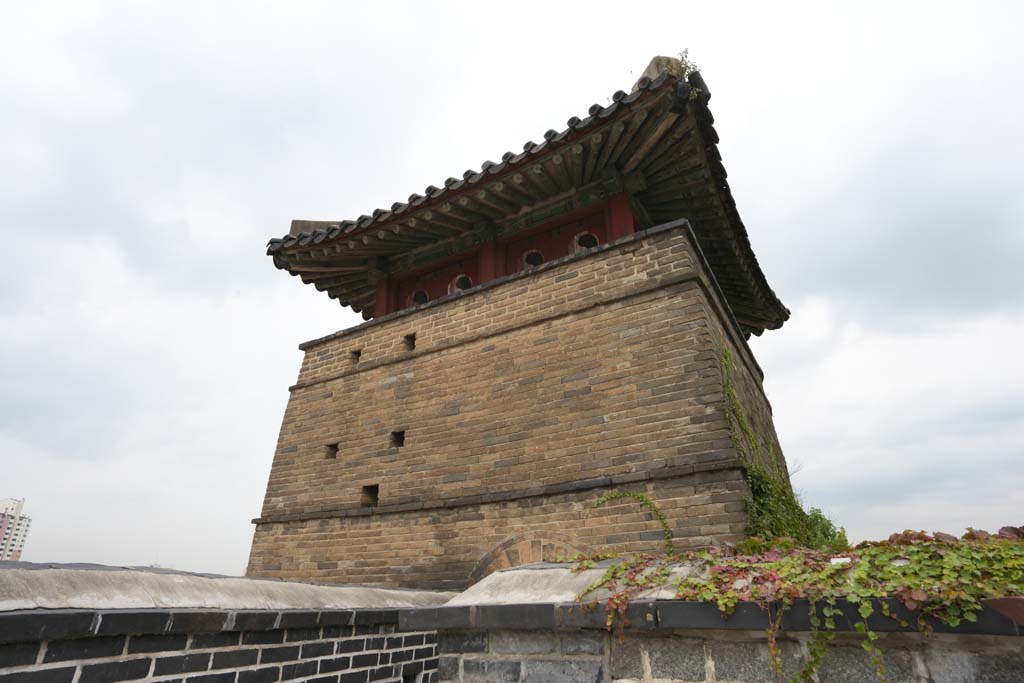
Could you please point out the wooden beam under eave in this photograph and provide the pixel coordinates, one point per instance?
(649, 127)
(542, 180)
(671, 192)
(473, 205)
(428, 222)
(350, 294)
(561, 173)
(755, 325)
(635, 124)
(678, 174)
(691, 184)
(522, 183)
(395, 235)
(497, 203)
(577, 162)
(748, 310)
(369, 247)
(463, 213)
(662, 127)
(614, 135)
(683, 153)
(676, 143)
(364, 299)
(511, 192)
(311, 268)
(595, 144)
(412, 227)
(332, 260)
(383, 247)
(324, 283)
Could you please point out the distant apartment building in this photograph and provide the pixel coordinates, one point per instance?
(14, 528)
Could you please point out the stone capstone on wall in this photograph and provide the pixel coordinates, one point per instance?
(26, 586)
(526, 626)
(105, 624)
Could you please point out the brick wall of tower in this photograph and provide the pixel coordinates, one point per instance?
(519, 404)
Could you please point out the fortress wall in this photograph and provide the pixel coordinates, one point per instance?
(521, 402)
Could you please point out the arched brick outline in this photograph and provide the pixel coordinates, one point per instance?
(526, 548)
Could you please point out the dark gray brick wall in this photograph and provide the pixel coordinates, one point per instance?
(493, 645)
(515, 656)
(203, 646)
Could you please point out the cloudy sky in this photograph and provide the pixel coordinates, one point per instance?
(146, 342)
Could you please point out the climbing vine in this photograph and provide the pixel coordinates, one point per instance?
(939, 578)
(773, 509)
(794, 554)
(651, 507)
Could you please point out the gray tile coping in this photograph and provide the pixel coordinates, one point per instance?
(36, 625)
(677, 615)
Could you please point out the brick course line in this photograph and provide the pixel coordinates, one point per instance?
(506, 497)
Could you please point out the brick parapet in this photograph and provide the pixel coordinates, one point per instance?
(213, 646)
(685, 641)
(379, 346)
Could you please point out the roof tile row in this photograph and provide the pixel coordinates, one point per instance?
(432, 193)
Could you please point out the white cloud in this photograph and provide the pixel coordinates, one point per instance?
(901, 428)
(146, 342)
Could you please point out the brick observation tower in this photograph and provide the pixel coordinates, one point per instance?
(541, 331)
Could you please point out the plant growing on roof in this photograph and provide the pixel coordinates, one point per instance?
(689, 66)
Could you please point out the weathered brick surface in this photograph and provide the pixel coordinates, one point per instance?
(442, 548)
(518, 407)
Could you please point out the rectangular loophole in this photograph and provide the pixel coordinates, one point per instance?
(410, 341)
(370, 496)
(331, 451)
(398, 439)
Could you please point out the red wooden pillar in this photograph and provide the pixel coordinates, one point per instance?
(488, 261)
(620, 220)
(382, 305)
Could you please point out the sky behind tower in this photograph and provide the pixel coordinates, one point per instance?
(875, 151)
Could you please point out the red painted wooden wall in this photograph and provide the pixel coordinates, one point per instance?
(561, 236)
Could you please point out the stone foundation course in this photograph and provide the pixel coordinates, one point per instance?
(678, 656)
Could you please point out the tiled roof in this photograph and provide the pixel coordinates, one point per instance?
(657, 141)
